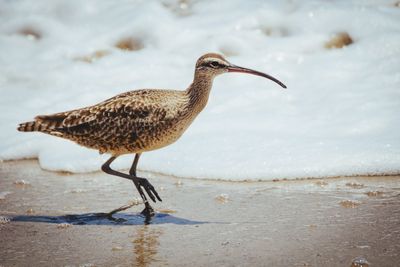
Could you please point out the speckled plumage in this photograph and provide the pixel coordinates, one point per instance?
(131, 122)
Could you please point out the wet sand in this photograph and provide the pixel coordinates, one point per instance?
(49, 219)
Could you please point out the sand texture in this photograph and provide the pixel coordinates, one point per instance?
(49, 219)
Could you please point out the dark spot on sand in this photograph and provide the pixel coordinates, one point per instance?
(339, 40)
(30, 33)
(130, 44)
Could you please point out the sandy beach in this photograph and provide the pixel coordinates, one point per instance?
(50, 219)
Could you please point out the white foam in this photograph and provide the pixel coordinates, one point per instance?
(339, 116)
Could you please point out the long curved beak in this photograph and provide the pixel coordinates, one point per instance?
(234, 68)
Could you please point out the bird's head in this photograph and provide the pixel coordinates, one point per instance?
(213, 64)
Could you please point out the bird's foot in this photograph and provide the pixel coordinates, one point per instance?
(151, 191)
(148, 212)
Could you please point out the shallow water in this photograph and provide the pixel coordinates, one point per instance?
(57, 220)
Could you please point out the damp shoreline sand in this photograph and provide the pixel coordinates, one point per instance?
(315, 222)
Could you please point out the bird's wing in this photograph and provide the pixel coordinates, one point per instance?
(135, 107)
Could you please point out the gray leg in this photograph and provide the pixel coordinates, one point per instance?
(139, 182)
(150, 190)
(148, 210)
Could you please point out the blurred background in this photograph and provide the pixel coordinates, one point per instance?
(340, 60)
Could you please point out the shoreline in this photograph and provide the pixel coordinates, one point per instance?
(156, 173)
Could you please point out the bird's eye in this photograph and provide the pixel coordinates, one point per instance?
(214, 64)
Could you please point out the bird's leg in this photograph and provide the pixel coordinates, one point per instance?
(151, 191)
(107, 169)
(148, 210)
(136, 180)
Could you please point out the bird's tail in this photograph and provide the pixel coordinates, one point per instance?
(30, 126)
(42, 123)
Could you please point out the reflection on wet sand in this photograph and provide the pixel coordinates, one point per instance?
(145, 245)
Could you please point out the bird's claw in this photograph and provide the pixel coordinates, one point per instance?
(151, 191)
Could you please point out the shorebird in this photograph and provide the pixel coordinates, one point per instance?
(138, 121)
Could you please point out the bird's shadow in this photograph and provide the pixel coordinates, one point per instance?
(119, 219)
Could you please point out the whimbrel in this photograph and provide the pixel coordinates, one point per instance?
(138, 121)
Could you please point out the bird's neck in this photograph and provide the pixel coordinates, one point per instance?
(199, 91)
